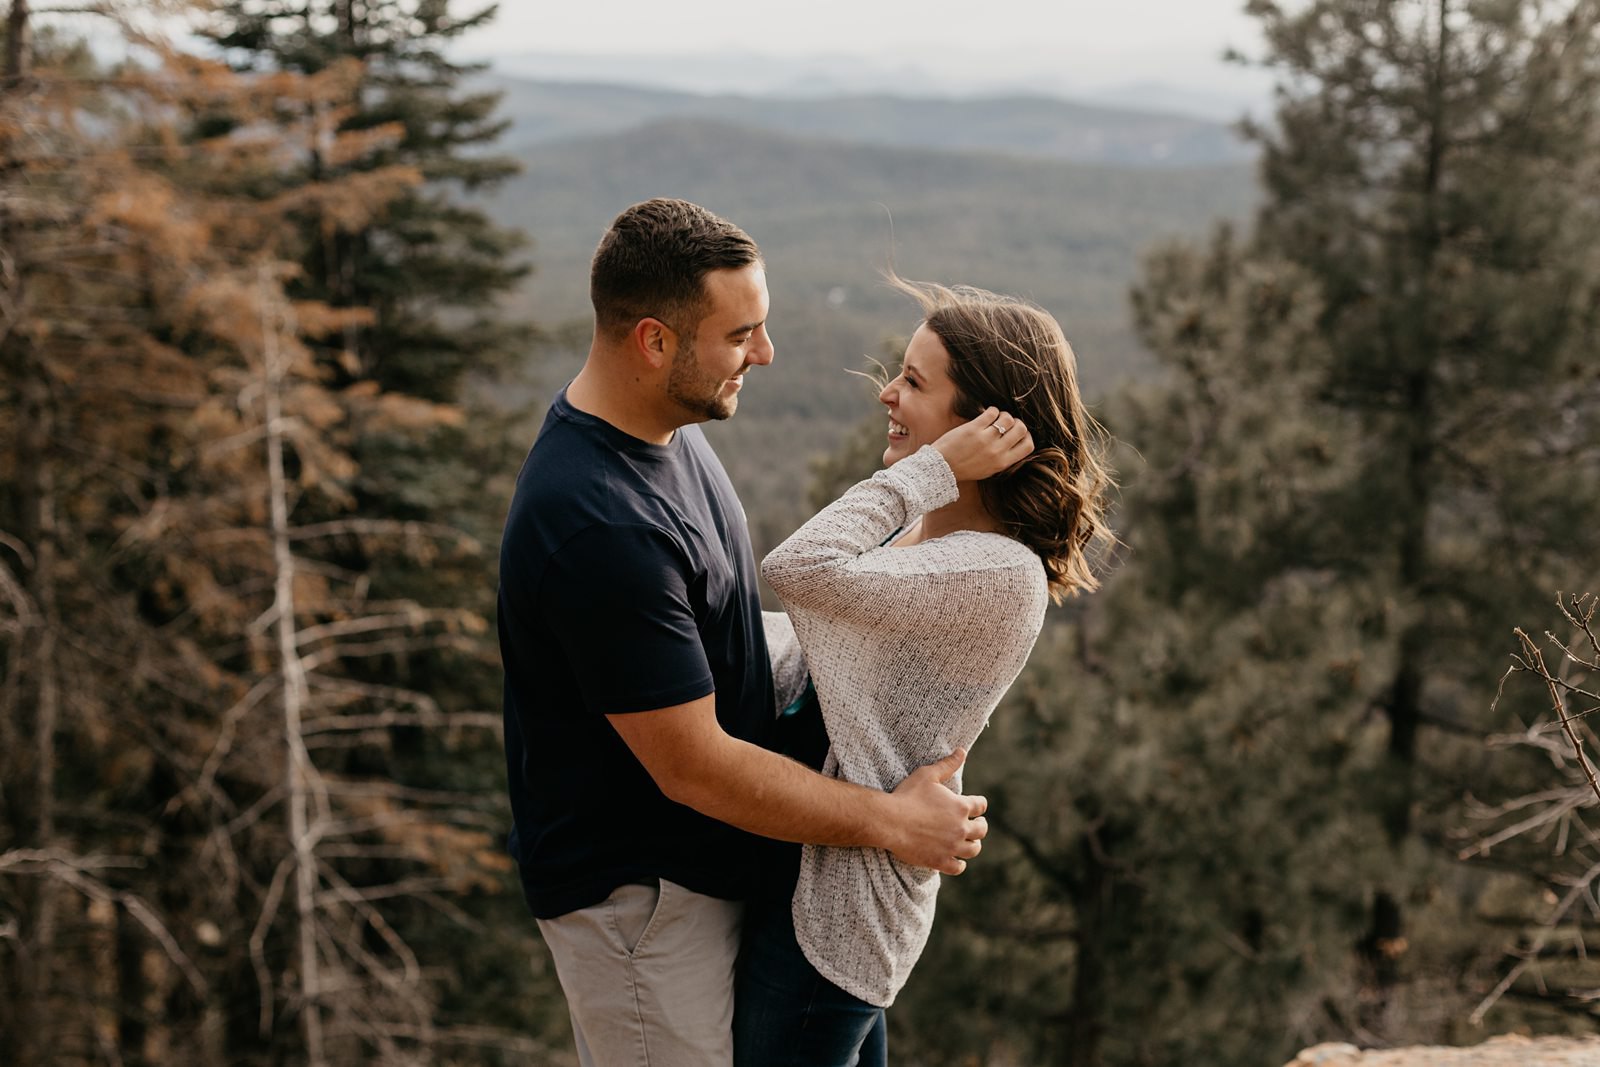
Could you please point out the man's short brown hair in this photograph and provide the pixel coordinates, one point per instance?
(653, 260)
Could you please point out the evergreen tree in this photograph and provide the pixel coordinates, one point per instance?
(1234, 789)
(434, 271)
(196, 856)
(429, 267)
(1430, 167)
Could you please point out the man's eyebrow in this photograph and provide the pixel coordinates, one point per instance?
(749, 327)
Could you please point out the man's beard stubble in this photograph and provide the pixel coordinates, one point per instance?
(695, 391)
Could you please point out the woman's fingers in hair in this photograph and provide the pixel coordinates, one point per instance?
(1019, 446)
(1013, 439)
(992, 442)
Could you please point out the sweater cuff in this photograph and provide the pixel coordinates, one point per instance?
(923, 479)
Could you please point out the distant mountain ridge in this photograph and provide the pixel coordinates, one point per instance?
(545, 111)
(1193, 85)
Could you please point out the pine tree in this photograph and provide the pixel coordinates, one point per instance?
(195, 856)
(430, 268)
(1431, 175)
(1234, 790)
(434, 272)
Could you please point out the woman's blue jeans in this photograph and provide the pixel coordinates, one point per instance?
(785, 1014)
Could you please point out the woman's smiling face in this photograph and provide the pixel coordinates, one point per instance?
(921, 399)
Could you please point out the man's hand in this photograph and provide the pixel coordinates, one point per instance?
(936, 827)
(985, 446)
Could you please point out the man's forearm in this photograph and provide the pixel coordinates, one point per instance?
(747, 786)
(696, 763)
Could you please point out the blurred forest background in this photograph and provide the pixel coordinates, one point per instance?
(280, 310)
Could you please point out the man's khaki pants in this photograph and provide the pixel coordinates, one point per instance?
(648, 973)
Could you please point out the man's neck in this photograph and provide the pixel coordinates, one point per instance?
(618, 403)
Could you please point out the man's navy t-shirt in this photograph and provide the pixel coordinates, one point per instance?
(626, 584)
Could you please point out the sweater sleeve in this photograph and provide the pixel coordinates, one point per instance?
(814, 564)
(788, 660)
(832, 571)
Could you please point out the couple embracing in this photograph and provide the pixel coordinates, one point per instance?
(719, 881)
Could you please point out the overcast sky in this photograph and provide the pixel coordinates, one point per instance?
(1085, 44)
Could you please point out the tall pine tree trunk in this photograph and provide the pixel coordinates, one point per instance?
(34, 813)
(1093, 903)
(31, 702)
(1385, 935)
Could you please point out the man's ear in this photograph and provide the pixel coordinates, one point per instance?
(654, 342)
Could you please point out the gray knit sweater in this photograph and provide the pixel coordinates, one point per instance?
(910, 650)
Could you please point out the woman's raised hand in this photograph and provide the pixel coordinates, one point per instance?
(989, 444)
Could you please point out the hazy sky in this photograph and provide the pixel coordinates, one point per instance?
(1088, 43)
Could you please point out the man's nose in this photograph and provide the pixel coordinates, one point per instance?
(760, 354)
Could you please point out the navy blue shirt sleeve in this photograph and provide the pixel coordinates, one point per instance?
(618, 600)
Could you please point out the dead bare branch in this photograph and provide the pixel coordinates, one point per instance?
(386, 528)
(258, 941)
(230, 724)
(392, 646)
(1554, 815)
(74, 871)
(1545, 816)
(1559, 705)
(410, 620)
(476, 720)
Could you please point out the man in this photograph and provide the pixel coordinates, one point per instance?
(638, 694)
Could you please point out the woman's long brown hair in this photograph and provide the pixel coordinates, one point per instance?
(1011, 354)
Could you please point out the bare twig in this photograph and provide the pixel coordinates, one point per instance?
(258, 940)
(1559, 704)
(1478, 1013)
(1555, 813)
(74, 871)
(230, 723)
(410, 620)
(43, 860)
(1570, 800)
(1579, 611)
(476, 720)
(384, 527)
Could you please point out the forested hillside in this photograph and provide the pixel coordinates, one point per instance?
(830, 217)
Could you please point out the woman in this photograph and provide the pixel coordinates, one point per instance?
(916, 598)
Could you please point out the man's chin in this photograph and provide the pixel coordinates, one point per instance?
(714, 409)
(725, 403)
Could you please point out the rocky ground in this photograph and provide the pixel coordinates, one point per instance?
(1508, 1051)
